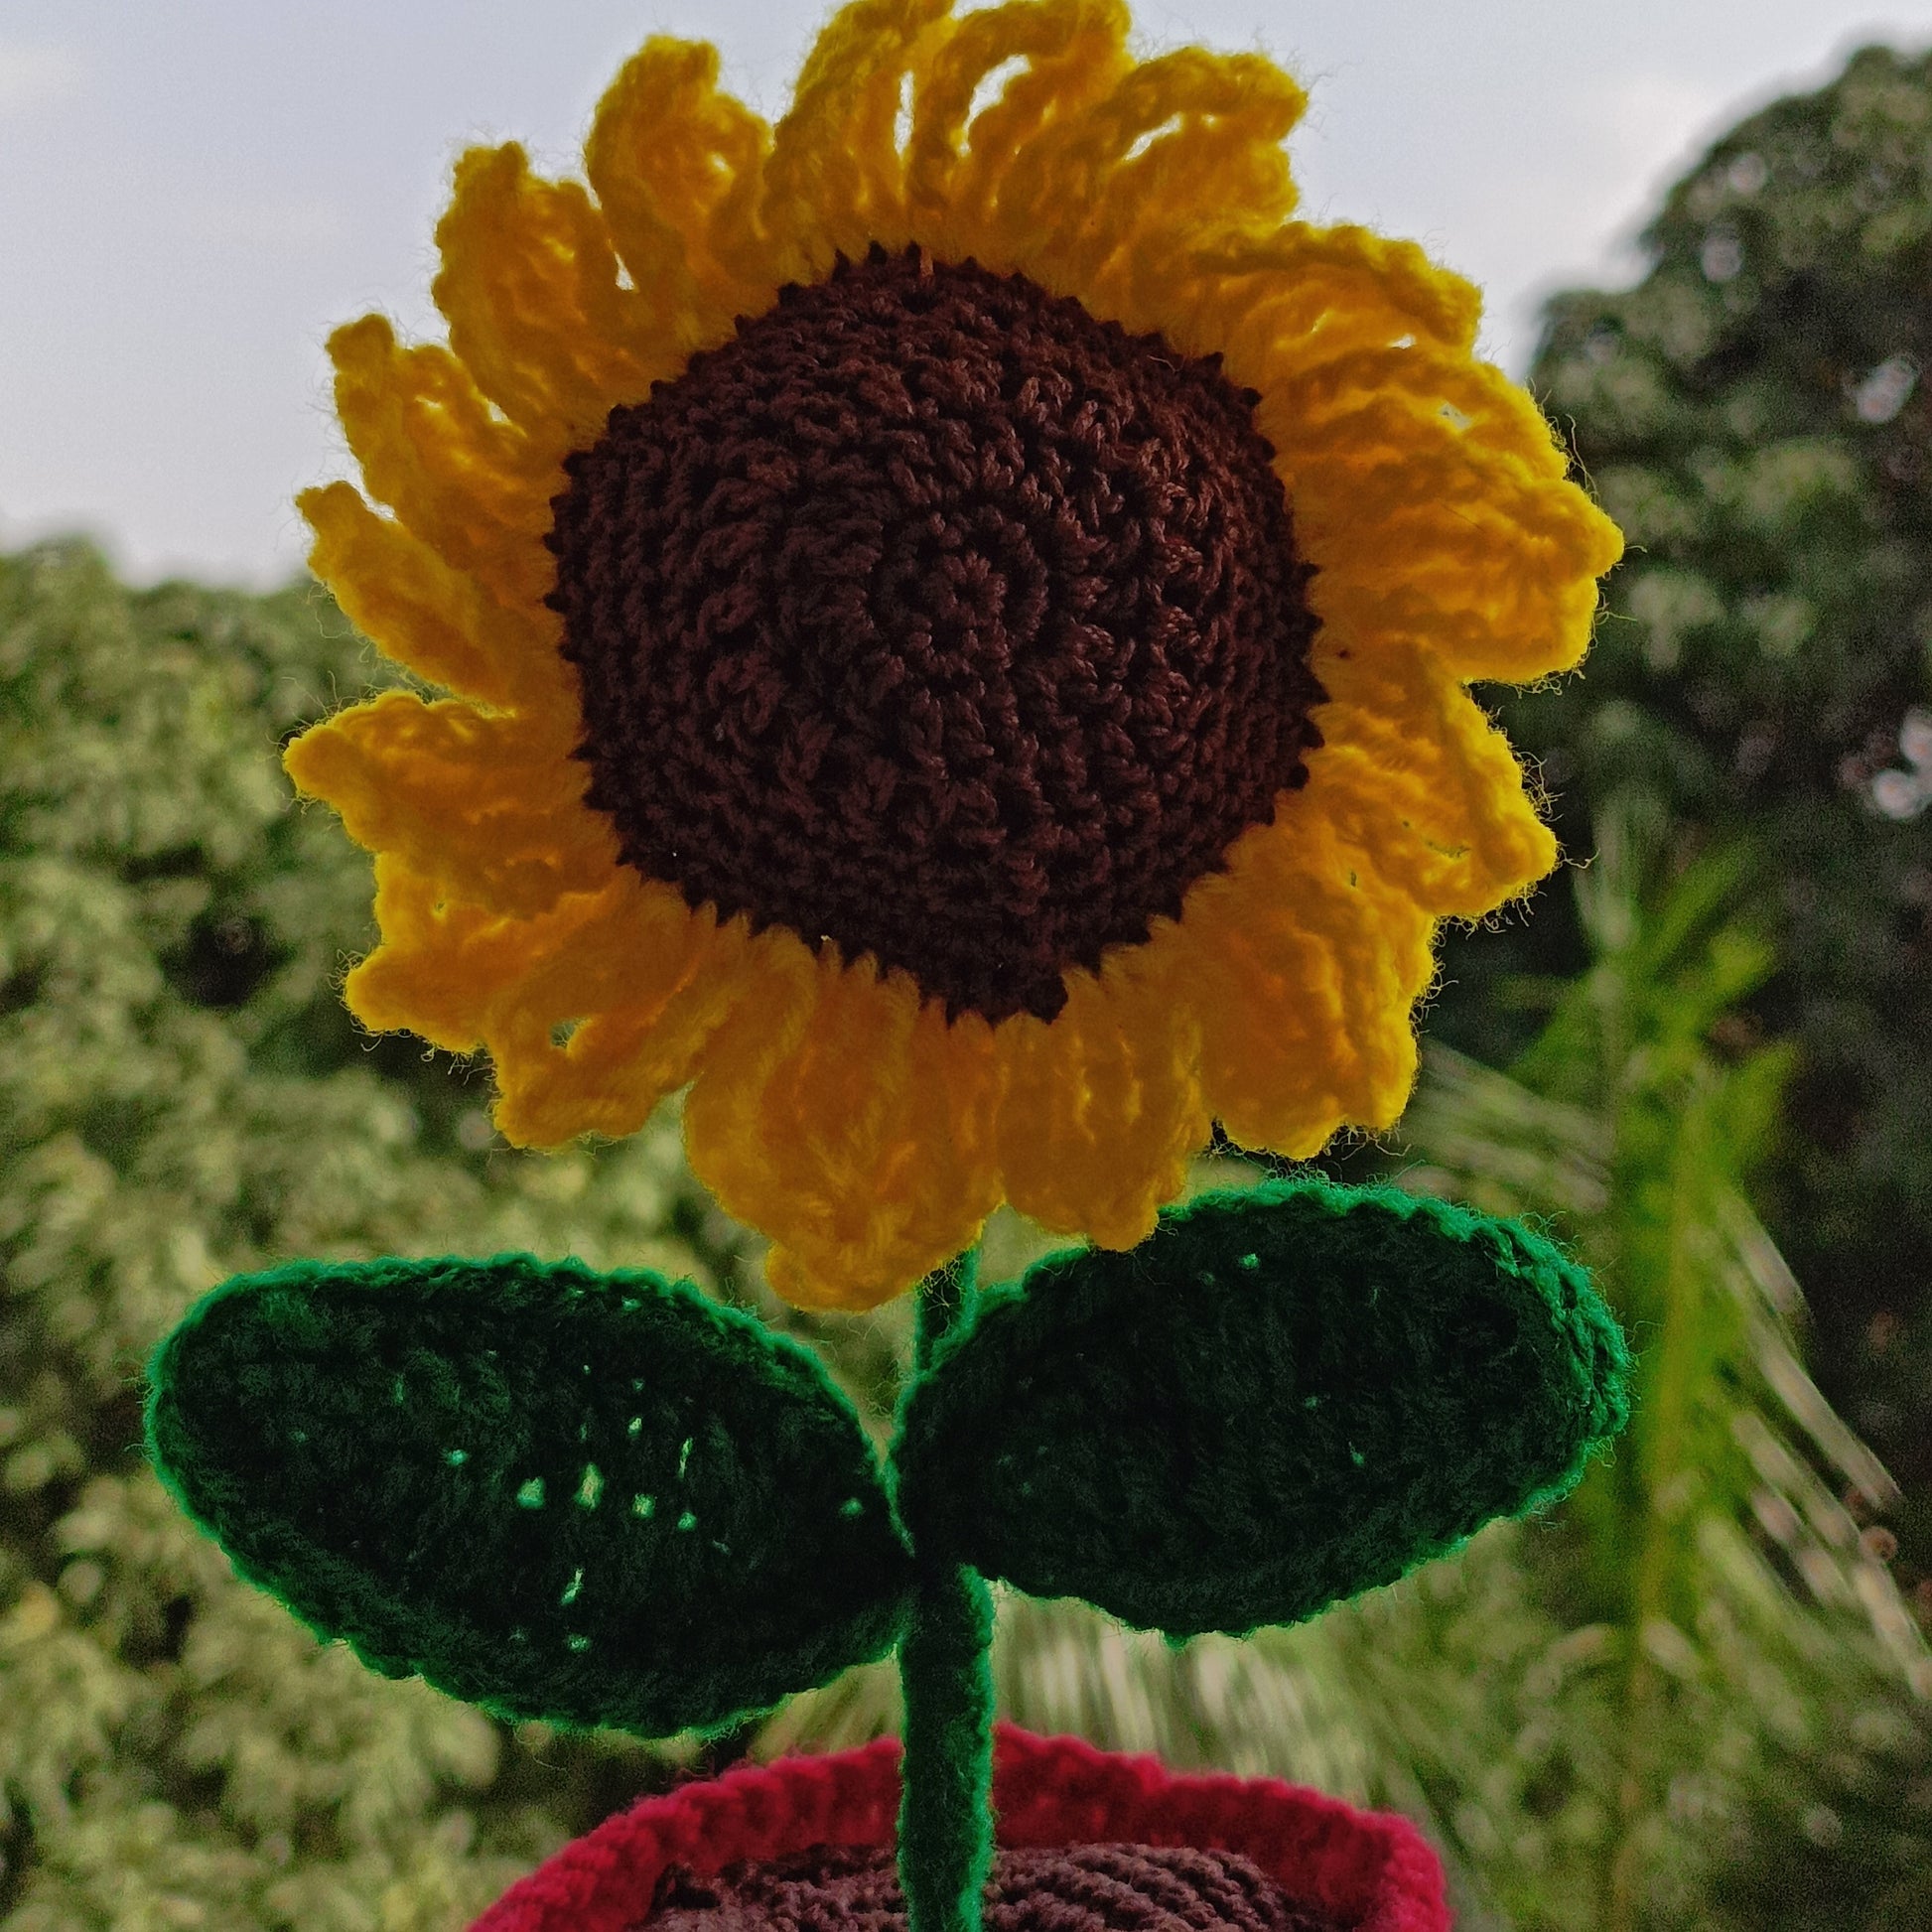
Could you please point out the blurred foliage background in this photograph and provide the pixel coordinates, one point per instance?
(1698, 1695)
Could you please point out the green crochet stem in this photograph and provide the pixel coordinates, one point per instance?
(945, 1816)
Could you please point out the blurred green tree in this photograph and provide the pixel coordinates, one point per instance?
(182, 1097)
(1740, 1733)
(1756, 414)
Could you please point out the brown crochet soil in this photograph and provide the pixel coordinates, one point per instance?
(931, 615)
(1059, 1888)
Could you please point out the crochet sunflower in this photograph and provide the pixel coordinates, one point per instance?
(956, 613)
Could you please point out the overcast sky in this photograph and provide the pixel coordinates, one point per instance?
(193, 192)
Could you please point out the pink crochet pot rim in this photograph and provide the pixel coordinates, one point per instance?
(1371, 1871)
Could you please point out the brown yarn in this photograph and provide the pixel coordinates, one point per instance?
(930, 615)
(1058, 1888)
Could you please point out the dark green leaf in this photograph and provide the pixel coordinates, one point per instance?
(598, 1499)
(1282, 1398)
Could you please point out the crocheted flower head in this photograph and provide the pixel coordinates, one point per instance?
(956, 613)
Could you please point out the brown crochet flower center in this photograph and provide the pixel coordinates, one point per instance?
(932, 617)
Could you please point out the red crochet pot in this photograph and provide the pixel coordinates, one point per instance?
(1368, 1871)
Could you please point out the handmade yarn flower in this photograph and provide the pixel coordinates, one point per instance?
(957, 612)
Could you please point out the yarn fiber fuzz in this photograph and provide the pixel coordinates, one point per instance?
(1367, 1872)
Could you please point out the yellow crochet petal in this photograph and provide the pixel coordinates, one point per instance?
(835, 181)
(598, 1031)
(1430, 494)
(778, 985)
(473, 486)
(441, 967)
(1303, 968)
(1413, 771)
(653, 978)
(1297, 296)
(1102, 1107)
(487, 806)
(679, 167)
(1075, 195)
(537, 313)
(1226, 153)
(1072, 53)
(438, 621)
(857, 1134)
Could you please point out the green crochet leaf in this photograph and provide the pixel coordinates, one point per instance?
(1283, 1397)
(596, 1499)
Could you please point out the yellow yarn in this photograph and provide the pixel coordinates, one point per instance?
(828, 1106)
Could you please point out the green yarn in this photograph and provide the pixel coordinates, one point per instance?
(1282, 1398)
(595, 1499)
(945, 1818)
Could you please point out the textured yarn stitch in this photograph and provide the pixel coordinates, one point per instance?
(1368, 1871)
(596, 1499)
(933, 617)
(832, 1104)
(945, 1829)
(1288, 1395)
(1074, 1888)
